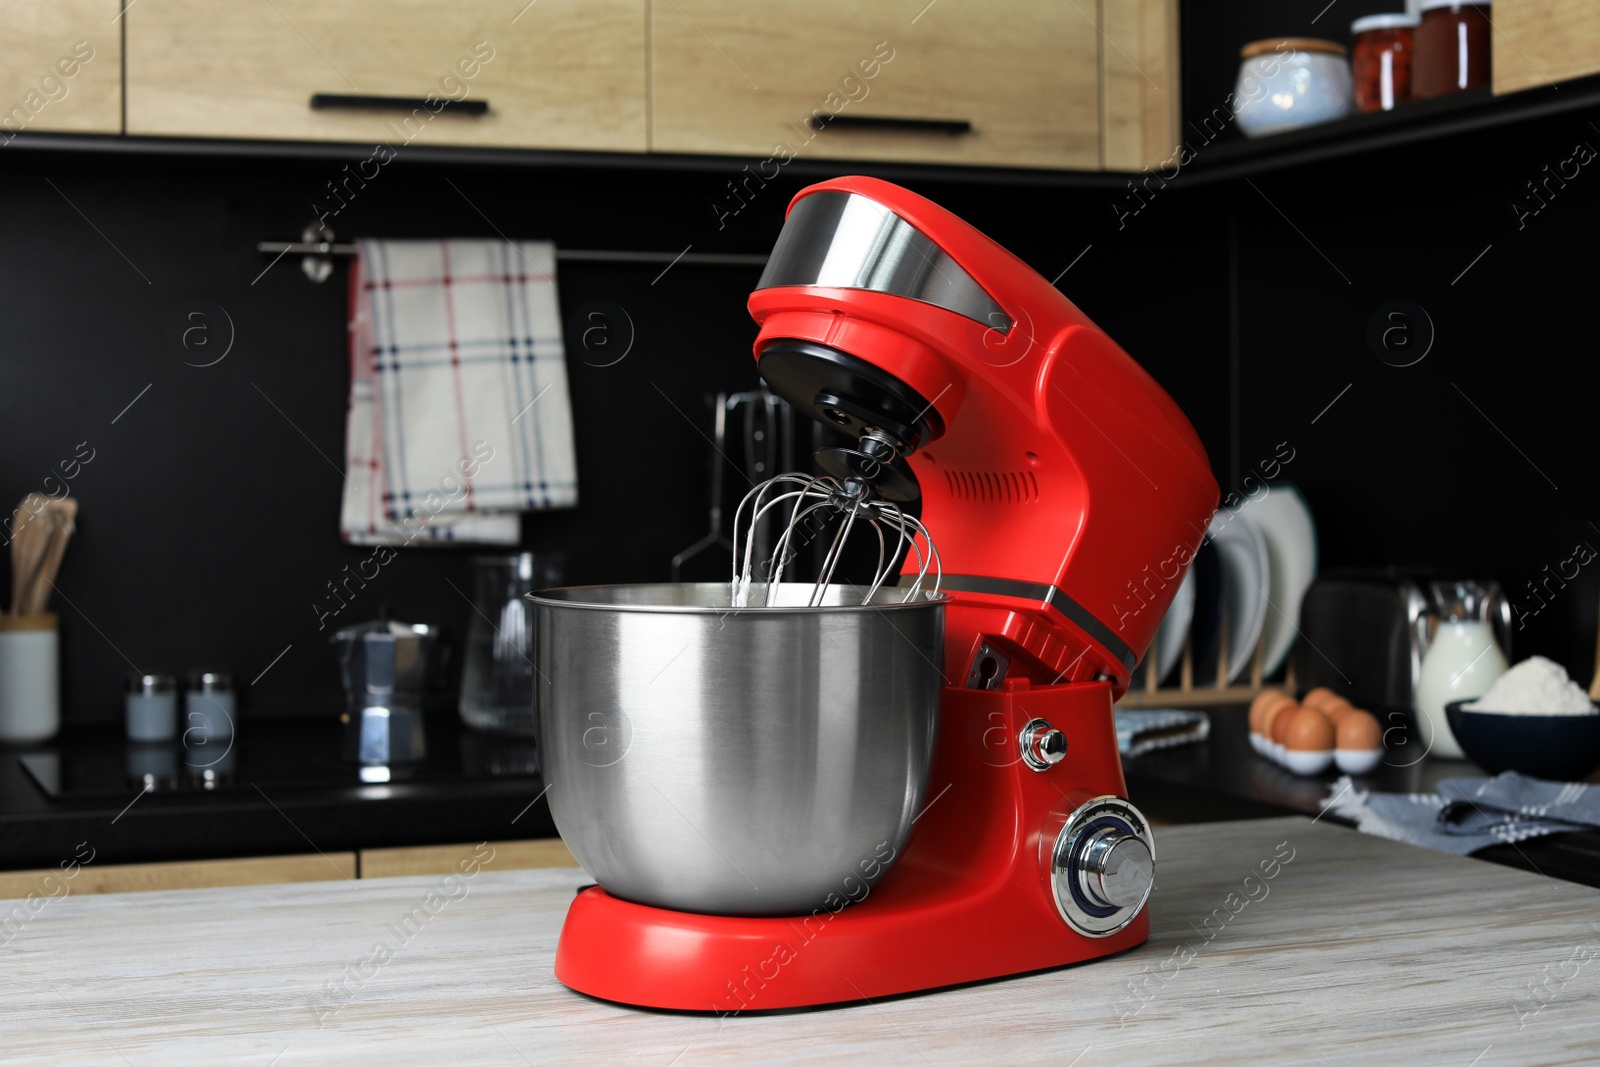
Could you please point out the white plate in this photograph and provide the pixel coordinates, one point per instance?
(1244, 585)
(1291, 535)
(1167, 648)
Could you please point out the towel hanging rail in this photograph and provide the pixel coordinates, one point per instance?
(585, 255)
(317, 264)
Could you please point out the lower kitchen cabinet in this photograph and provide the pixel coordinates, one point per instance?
(186, 874)
(270, 870)
(452, 859)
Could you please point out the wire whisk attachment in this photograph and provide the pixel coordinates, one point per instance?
(814, 502)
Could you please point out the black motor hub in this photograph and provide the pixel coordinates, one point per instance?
(889, 419)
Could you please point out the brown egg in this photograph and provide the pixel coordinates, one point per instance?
(1358, 732)
(1309, 731)
(1324, 699)
(1265, 697)
(1281, 718)
(1338, 711)
(1265, 700)
(1268, 716)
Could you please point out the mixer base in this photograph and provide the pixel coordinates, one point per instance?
(968, 901)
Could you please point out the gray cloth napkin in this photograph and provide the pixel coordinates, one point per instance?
(1141, 730)
(1470, 813)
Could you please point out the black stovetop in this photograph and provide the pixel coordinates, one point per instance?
(282, 789)
(90, 763)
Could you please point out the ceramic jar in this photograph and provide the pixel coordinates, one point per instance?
(1289, 83)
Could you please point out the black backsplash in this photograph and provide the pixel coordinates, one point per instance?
(209, 521)
(210, 508)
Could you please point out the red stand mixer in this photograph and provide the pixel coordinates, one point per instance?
(1066, 493)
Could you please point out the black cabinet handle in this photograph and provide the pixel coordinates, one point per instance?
(885, 122)
(365, 102)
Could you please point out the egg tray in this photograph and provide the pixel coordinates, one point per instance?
(1322, 730)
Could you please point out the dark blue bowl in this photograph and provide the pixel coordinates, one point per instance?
(1560, 748)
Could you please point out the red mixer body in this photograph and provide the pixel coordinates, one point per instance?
(1066, 494)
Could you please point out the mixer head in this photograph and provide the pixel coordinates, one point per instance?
(968, 378)
(841, 239)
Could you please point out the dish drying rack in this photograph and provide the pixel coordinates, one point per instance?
(1147, 692)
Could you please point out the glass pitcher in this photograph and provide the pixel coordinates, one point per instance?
(497, 675)
(1462, 660)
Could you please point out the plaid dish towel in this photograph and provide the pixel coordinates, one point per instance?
(459, 417)
(1141, 730)
(1469, 813)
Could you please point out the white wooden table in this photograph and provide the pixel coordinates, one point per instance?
(1359, 951)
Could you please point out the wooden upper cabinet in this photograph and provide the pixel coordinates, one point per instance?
(60, 66)
(564, 74)
(994, 82)
(1540, 42)
(1139, 92)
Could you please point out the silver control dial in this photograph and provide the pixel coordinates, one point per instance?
(1116, 869)
(1100, 865)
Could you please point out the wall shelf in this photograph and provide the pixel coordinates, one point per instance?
(1235, 157)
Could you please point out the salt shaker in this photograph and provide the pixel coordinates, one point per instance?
(151, 704)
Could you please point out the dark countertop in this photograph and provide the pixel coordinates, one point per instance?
(289, 793)
(1223, 778)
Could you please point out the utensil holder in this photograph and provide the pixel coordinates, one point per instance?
(30, 686)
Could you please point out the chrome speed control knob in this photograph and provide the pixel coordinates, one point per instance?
(1116, 869)
(1043, 746)
(1099, 864)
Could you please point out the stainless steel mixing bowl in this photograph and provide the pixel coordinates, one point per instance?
(755, 761)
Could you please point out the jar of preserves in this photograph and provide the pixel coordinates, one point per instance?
(1452, 48)
(1381, 60)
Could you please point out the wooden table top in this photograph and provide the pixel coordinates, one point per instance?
(1358, 951)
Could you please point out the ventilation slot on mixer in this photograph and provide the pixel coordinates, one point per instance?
(993, 487)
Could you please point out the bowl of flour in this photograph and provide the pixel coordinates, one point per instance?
(1535, 720)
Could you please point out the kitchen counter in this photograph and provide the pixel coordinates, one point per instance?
(1359, 950)
(289, 792)
(1223, 778)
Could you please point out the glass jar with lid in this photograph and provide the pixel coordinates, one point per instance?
(1452, 48)
(1381, 60)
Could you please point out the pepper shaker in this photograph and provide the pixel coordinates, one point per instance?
(208, 708)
